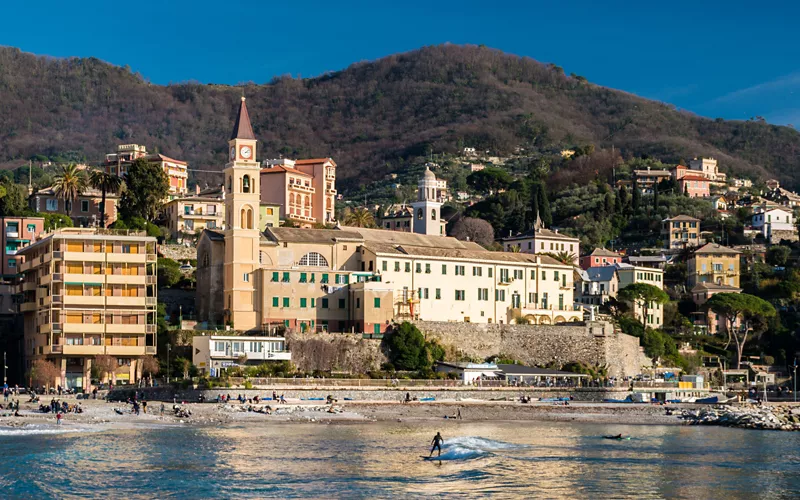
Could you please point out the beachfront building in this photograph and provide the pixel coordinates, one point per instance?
(774, 224)
(187, 216)
(646, 179)
(599, 257)
(176, 170)
(89, 292)
(706, 320)
(355, 279)
(680, 232)
(305, 190)
(629, 274)
(423, 216)
(17, 232)
(212, 354)
(596, 285)
(714, 263)
(84, 211)
(543, 241)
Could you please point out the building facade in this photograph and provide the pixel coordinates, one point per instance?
(680, 232)
(543, 241)
(694, 186)
(305, 190)
(212, 354)
(600, 257)
(706, 320)
(714, 263)
(708, 168)
(18, 232)
(423, 216)
(84, 211)
(89, 292)
(176, 170)
(269, 216)
(774, 224)
(186, 217)
(629, 274)
(647, 178)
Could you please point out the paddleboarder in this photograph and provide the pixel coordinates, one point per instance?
(437, 442)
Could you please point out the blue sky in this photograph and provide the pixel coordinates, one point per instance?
(732, 59)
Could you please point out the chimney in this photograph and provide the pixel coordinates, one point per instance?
(197, 189)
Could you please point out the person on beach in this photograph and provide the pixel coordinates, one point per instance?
(437, 442)
(144, 406)
(59, 416)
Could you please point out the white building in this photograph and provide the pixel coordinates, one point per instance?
(542, 241)
(774, 223)
(211, 353)
(708, 168)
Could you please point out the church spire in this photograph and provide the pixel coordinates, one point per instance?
(242, 128)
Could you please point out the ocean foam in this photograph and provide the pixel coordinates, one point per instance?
(34, 430)
(472, 447)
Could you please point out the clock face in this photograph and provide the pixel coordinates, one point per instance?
(233, 152)
(246, 152)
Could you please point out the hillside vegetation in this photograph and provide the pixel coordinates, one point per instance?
(370, 117)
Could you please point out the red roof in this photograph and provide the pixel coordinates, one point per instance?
(690, 177)
(283, 168)
(165, 158)
(311, 161)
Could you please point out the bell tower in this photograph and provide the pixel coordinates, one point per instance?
(427, 217)
(242, 237)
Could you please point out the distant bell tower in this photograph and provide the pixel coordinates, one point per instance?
(242, 237)
(427, 217)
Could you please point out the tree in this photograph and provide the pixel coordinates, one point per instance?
(637, 197)
(183, 366)
(150, 366)
(168, 272)
(15, 201)
(645, 296)
(563, 256)
(54, 221)
(69, 184)
(105, 365)
(44, 373)
(749, 311)
(106, 183)
(489, 180)
(407, 349)
(778, 255)
(146, 188)
(360, 217)
(473, 229)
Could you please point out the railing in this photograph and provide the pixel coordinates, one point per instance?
(150, 301)
(150, 280)
(151, 257)
(58, 255)
(56, 349)
(12, 234)
(149, 350)
(150, 328)
(58, 277)
(57, 299)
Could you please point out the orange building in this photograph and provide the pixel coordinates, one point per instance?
(117, 163)
(304, 189)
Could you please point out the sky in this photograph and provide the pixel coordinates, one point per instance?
(732, 59)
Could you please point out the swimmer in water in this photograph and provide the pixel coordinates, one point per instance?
(437, 443)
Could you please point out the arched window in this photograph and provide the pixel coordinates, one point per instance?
(205, 260)
(246, 184)
(307, 201)
(433, 214)
(230, 184)
(313, 259)
(249, 218)
(243, 219)
(291, 198)
(420, 214)
(328, 203)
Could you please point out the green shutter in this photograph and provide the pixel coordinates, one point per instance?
(303, 302)
(324, 303)
(275, 301)
(377, 302)
(303, 277)
(275, 276)
(324, 278)
(286, 302)
(313, 302)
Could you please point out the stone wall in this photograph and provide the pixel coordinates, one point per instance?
(178, 252)
(594, 343)
(342, 352)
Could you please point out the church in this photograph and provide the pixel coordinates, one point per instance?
(356, 279)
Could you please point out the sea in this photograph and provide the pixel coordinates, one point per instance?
(383, 460)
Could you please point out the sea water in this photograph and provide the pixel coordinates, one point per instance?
(479, 459)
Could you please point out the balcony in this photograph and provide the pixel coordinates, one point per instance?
(12, 233)
(122, 328)
(84, 350)
(84, 327)
(29, 286)
(84, 300)
(135, 258)
(45, 280)
(126, 279)
(331, 192)
(125, 301)
(301, 188)
(83, 256)
(150, 350)
(28, 307)
(10, 251)
(125, 350)
(98, 279)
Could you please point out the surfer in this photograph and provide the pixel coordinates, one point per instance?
(437, 443)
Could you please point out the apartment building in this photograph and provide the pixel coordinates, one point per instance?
(714, 263)
(305, 190)
(18, 232)
(189, 215)
(599, 257)
(212, 354)
(647, 178)
(176, 170)
(707, 321)
(84, 211)
(89, 292)
(629, 274)
(774, 224)
(694, 185)
(680, 232)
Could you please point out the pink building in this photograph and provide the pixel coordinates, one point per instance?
(304, 189)
(600, 257)
(696, 186)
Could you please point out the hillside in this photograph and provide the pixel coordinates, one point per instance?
(368, 117)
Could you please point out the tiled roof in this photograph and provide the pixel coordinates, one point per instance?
(312, 161)
(679, 218)
(213, 235)
(283, 168)
(715, 248)
(701, 287)
(600, 273)
(602, 252)
(299, 235)
(539, 233)
(89, 192)
(658, 173)
(693, 177)
(161, 157)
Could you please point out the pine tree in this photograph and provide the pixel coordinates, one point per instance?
(544, 206)
(636, 199)
(655, 197)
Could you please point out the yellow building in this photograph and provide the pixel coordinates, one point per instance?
(628, 275)
(360, 279)
(89, 292)
(713, 263)
(680, 232)
(188, 216)
(269, 216)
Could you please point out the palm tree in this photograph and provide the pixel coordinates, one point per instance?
(563, 257)
(69, 184)
(360, 217)
(107, 183)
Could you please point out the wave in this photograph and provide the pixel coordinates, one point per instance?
(473, 447)
(35, 430)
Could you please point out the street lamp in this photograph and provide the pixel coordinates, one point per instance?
(168, 348)
(794, 379)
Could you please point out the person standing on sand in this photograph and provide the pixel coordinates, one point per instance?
(437, 442)
(59, 416)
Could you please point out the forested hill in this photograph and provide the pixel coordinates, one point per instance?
(368, 117)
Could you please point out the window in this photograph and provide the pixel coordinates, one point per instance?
(544, 275)
(717, 267)
(533, 274)
(408, 267)
(285, 278)
(419, 267)
(84, 205)
(246, 184)
(286, 302)
(275, 301)
(500, 295)
(397, 266)
(560, 301)
(433, 214)
(477, 271)
(275, 277)
(444, 269)
(460, 271)
(358, 303)
(51, 204)
(544, 300)
(384, 266)
(555, 276)
(483, 294)
(246, 278)
(313, 259)
(12, 263)
(341, 304)
(303, 302)
(438, 293)
(504, 276)
(324, 279)
(376, 302)
(324, 303)
(519, 274)
(460, 295)
(427, 269)
(32, 228)
(303, 278)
